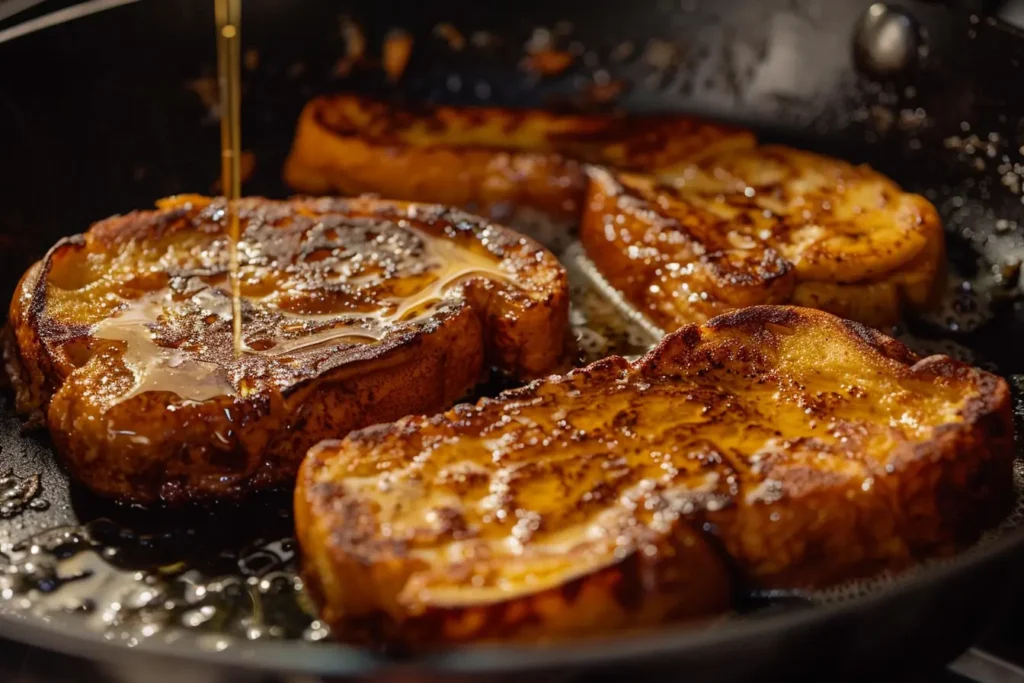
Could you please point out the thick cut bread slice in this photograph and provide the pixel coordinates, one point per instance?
(764, 225)
(355, 312)
(519, 166)
(809, 448)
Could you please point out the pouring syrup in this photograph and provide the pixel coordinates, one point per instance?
(228, 15)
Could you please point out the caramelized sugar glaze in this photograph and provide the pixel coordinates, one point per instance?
(797, 447)
(354, 312)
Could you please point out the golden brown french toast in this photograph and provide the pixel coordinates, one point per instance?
(764, 225)
(354, 312)
(516, 166)
(800, 448)
(712, 221)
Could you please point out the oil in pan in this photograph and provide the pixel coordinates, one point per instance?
(131, 585)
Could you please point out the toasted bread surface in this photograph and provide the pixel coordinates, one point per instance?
(354, 312)
(806, 448)
(760, 226)
(490, 160)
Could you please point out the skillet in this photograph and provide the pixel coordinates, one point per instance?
(108, 112)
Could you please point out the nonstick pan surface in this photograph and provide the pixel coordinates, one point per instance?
(109, 112)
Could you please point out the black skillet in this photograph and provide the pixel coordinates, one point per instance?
(108, 112)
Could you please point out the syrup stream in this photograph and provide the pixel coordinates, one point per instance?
(228, 15)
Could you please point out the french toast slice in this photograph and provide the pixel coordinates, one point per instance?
(804, 448)
(354, 312)
(521, 167)
(764, 225)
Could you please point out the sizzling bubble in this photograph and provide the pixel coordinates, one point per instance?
(88, 573)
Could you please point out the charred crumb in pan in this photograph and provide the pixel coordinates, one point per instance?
(808, 468)
(324, 265)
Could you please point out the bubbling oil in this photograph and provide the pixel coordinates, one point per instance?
(85, 573)
(19, 493)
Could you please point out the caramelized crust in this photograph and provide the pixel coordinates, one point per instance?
(497, 162)
(813, 449)
(759, 226)
(355, 312)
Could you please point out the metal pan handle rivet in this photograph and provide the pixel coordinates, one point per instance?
(886, 40)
